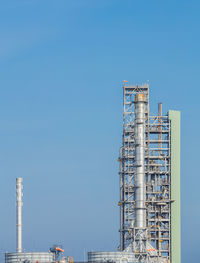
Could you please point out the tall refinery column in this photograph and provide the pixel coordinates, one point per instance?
(140, 185)
(19, 205)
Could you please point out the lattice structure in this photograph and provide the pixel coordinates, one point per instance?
(158, 184)
(156, 235)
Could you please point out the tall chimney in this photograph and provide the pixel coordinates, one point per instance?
(19, 205)
(140, 189)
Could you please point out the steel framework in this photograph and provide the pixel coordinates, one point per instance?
(150, 240)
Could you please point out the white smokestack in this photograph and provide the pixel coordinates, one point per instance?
(19, 205)
(140, 190)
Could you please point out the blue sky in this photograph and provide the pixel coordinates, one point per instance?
(62, 64)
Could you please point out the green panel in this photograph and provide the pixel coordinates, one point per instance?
(174, 116)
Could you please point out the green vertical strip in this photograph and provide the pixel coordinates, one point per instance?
(174, 116)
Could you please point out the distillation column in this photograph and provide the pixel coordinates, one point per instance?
(140, 184)
(19, 205)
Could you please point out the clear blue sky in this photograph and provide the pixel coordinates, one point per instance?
(61, 69)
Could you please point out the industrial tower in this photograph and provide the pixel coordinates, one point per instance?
(149, 179)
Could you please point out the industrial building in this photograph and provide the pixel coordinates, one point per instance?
(149, 189)
(149, 183)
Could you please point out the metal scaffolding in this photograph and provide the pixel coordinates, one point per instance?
(149, 240)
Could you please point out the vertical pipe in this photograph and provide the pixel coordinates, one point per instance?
(122, 245)
(159, 127)
(140, 184)
(160, 109)
(19, 205)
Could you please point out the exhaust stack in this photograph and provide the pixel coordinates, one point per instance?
(19, 205)
(140, 190)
